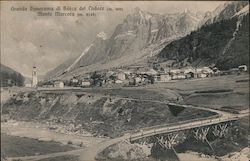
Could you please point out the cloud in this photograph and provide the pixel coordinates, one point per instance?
(28, 48)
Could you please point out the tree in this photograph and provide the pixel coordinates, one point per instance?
(151, 79)
(113, 77)
(20, 80)
(96, 78)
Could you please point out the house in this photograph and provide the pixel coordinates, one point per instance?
(27, 82)
(174, 71)
(58, 84)
(177, 74)
(204, 72)
(137, 79)
(162, 77)
(216, 71)
(121, 76)
(189, 72)
(28, 85)
(202, 75)
(86, 83)
(118, 81)
(242, 68)
(147, 71)
(181, 76)
(190, 75)
(74, 80)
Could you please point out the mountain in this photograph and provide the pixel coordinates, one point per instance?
(9, 77)
(224, 43)
(141, 34)
(225, 11)
(59, 69)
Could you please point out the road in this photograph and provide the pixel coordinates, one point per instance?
(89, 153)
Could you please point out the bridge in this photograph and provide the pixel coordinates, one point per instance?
(181, 127)
(221, 117)
(91, 152)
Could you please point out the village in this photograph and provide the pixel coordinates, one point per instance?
(133, 76)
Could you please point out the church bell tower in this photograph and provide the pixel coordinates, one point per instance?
(34, 76)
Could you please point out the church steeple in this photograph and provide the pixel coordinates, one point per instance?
(34, 76)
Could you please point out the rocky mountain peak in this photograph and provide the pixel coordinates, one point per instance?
(138, 17)
(223, 40)
(139, 30)
(226, 11)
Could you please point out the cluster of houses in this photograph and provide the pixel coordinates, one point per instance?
(138, 76)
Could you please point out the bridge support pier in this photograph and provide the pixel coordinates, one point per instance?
(220, 130)
(201, 134)
(169, 141)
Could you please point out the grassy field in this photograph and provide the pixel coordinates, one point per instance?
(223, 92)
(13, 146)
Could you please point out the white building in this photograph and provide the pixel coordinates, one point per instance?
(121, 76)
(118, 81)
(28, 85)
(204, 72)
(242, 68)
(34, 77)
(59, 84)
(86, 83)
(74, 80)
(137, 79)
(162, 78)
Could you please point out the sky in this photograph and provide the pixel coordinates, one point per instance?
(47, 41)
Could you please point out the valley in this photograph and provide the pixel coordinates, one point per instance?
(167, 86)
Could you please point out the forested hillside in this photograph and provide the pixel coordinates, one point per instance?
(224, 44)
(9, 77)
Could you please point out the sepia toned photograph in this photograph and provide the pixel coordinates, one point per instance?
(124, 81)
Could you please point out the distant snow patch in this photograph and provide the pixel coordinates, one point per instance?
(243, 11)
(125, 34)
(102, 35)
(78, 59)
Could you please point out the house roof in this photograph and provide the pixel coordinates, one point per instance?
(148, 71)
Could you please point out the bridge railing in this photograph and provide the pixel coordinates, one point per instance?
(146, 133)
(170, 124)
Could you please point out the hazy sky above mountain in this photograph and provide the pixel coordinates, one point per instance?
(28, 39)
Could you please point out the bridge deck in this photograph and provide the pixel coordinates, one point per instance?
(180, 127)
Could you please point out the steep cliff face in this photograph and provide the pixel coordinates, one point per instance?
(97, 113)
(138, 31)
(224, 43)
(225, 11)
